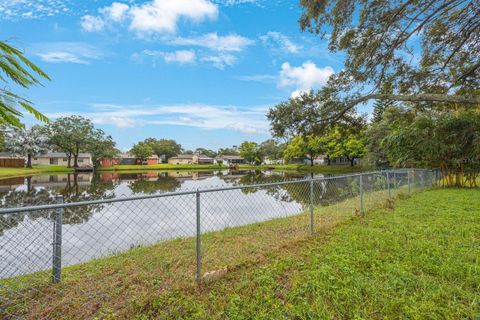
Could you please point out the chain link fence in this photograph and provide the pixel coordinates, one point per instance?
(79, 260)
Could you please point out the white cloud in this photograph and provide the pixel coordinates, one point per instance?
(92, 23)
(116, 11)
(67, 52)
(231, 42)
(156, 16)
(279, 41)
(303, 78)
(220, 61)
(247, 120)
(179, 56)
(28, 9)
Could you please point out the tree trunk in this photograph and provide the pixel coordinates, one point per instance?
(69, 160)
(311, 161)
(329, 161)
(352, 162)
(29, 160)
(75, 158)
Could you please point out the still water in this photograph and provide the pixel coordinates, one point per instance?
(94, 231)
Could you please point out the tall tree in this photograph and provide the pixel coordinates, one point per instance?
(102, 147)
(309, 147)
(250, 152)
(27, 142)
(142, 150)
(227, 152)
(382, 41)
(164, 147)
(207, 152)
(272, 149)
(348, 143)
(72, 135)
(22, 72)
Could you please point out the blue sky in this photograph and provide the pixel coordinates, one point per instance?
(202, 72)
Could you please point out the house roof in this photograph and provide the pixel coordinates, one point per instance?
(204, 157)
(183, 156)
(232, 157)
(61, 155)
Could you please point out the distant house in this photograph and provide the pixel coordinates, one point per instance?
(129, 159)
(269, 161)
(191, 159)
(61, 159)
(229, 160)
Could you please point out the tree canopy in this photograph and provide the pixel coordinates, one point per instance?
(18, 70)
(382, 40)
(425, 53)
(164, 147)
(27, 142)
(142, 150)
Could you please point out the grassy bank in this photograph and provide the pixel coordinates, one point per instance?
(419, 261)
(332, 169)
(186, 167)
(20, 172)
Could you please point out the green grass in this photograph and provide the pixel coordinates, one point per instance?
(420, 260)
(19, 172)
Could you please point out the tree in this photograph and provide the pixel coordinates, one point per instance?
(102, 147)
(142, 151)
(207, 152)
(381, 41)
(227, 152)
(27, 142)
(164, 147)
(21, 71)
(382, 38)
(309, 147)
(310, 113)
(72, 135)
(250, 152)
(272, 149)
(380, 106)
(348, 144)
(392, 118)
(449, 141)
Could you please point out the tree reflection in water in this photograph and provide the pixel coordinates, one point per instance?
(72, 191)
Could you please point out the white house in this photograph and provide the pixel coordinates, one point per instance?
(61, 159)
(229, 160)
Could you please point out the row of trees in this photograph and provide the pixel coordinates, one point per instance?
(71, 135)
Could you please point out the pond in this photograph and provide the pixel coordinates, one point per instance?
(98, 230)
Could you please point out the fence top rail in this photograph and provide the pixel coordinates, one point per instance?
(191, 192)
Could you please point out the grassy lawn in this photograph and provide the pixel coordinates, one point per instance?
(19, 172)
(419, 260)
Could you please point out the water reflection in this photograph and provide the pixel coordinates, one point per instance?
(92, 231)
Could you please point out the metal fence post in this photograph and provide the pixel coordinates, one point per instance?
(361, 195)
(57, 243)
(199, 267)
(408, 179)
(311, 207)
(388, 185)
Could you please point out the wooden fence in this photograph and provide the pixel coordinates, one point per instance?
(12, 163)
